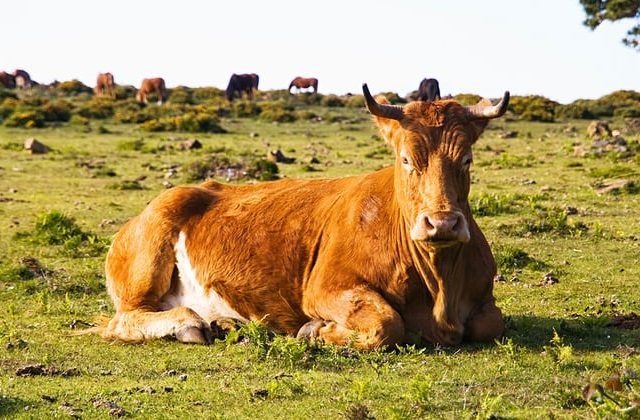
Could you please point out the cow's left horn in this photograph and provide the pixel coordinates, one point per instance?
(393, 112)
(490, 111)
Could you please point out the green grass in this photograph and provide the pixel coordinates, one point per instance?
(63, 208)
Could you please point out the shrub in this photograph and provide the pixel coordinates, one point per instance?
(78, 120)
(97, 108)
(181, 95)
(468, 98)
(393, 97)
(56, 111)
(25, 119)
(355, 101)
(242, 108)
(189, 122)
(332, 101)
(73, 87)
(277, 111)
(264, 170)
(533, 108)
(124, 92)
(208, 94)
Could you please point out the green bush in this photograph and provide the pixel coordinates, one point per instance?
(332, 101)
(277, 111)
(264, 170)
(57, 111)
(533, 108)
(208, 94)
(25, 119)
(97, 108)
(467, 98)
(181, 95)
(244, 108)
(73, 87)
(355, 101)
(393, 98)
(189, 122)
(125, 92)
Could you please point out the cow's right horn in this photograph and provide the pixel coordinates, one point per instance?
(489, 111)
(393, 112)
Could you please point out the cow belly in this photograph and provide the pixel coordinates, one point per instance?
(190, 293)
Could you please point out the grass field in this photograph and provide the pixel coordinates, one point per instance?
(569, 259)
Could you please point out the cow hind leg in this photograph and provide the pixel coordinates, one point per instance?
(360, 317)
(141, 273)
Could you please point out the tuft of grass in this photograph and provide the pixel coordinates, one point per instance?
(56, 228)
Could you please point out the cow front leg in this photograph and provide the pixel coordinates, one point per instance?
(359, 316)
(485, 324)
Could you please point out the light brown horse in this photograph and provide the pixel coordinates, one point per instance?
(155, 85)
(304, 83)
(105, 85)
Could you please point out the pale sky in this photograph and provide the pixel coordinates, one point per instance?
(470, 46)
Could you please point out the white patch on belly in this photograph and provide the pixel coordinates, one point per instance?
(190, 293)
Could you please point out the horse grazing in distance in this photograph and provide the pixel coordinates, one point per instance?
(242, 83)
(155, 85)
(304, 83)
(7, 80)
(105, 85)
(429, 90)
(22, 78)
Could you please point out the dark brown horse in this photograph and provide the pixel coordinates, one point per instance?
(23, 80)
(242, 83)
(304, 83)
(7, 80)
(429, 90)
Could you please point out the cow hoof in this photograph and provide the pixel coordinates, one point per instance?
(194, 335)
(310, 330)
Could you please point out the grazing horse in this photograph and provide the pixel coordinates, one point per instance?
(155, 85)
(242, 83)
(7, 80)
(429, 90)
(23, 80)
(105, 85)
(384, 258)
(304, 83)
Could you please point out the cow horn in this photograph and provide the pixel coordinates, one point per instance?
(490, 111)
(393, 112)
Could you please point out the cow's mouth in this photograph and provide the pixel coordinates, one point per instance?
(441, 243)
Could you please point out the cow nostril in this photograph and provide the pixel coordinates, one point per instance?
(428, 223)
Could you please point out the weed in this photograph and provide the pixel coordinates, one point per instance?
(559, 352)
(421, 392)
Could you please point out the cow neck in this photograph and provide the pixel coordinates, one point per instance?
(440, 269)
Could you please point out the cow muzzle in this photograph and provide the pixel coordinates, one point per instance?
(440, 229)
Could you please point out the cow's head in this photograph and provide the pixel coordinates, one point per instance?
(432, 142)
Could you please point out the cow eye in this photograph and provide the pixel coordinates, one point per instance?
(405, 161)
(467, 161)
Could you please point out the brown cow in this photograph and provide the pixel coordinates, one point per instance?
(373, 260)
(155, 85)
(105, 85)
(304, 83)
(22, 78)
(7, 80)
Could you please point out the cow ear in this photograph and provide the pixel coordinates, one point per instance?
(386, 126)
(480, 124)
(478, 127)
